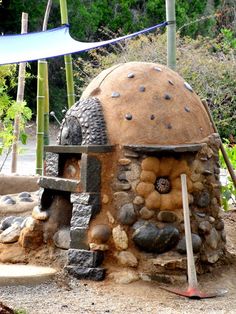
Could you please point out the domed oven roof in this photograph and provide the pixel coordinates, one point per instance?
(147, 103)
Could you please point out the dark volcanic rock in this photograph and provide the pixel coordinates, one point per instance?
(152, 239)
(127, 215)
(196, 241)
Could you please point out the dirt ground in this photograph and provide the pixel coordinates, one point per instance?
(66, 295)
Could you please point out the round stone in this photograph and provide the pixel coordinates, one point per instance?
(124, 161)
(24, 194)
(26, 199)
(9, 201)
(152, 117)
(115, 95)
(121, 176)
(5, 197)
(120, 186)
(203, 199)
(213, 239)
(127, 215)
(157, 69)
(188, 86)
(152, 239)
(7, 222)
(128, 116)
(196, 242)
(220, 225)
(126, 258)
(145, 213)
(167, 96)
(142, 88)
(138, 200)
(100, 233)
(130, 75)
(39, 214)
(167, 216)
(205, 227)
(120, 238)
(18, 221)
(121, 198)
(186, 108)
(105, 198)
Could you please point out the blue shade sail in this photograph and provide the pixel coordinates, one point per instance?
(50, 43)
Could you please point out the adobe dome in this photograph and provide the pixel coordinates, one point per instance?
(147, 103)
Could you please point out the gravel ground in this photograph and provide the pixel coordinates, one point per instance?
(70, 296)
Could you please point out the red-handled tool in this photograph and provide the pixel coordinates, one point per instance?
(192, 291)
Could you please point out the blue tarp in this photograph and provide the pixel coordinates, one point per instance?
(50, 43)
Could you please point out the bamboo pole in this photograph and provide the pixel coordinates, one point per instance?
(40, 116)
(42, 104)
(46, 107)
(19, 98)
(171, 34)
(225, 156)
(68, 60)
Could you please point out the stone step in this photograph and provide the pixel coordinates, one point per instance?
(61, 184)
(96, 273)
(25, 274)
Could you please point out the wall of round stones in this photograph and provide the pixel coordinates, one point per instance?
(206, 220)
(124, 215)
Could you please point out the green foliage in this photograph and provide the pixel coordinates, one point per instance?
(228, 191)
(20, 311)
(9, 109)
(231, 153)
(228, 195)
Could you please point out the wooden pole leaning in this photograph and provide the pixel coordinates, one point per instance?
(46, 85)
(225, 156)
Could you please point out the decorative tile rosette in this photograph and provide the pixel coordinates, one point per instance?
(160, 183)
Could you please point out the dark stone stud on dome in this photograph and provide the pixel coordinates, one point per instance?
(171, 82)
(130, 75)
(157, 69)
(128, 116)
(142, 88)
(115, 95)
(167, 96)
(168, 126)
(188, 86)
(187, 109)
(152, 117)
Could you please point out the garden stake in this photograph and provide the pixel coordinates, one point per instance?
(192, 291)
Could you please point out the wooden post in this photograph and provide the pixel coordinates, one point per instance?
(46, 85)
(19, 99)
(68, 60)
(171, 34)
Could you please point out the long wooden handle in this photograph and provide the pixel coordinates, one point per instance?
(225, 156)
(192, 276)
